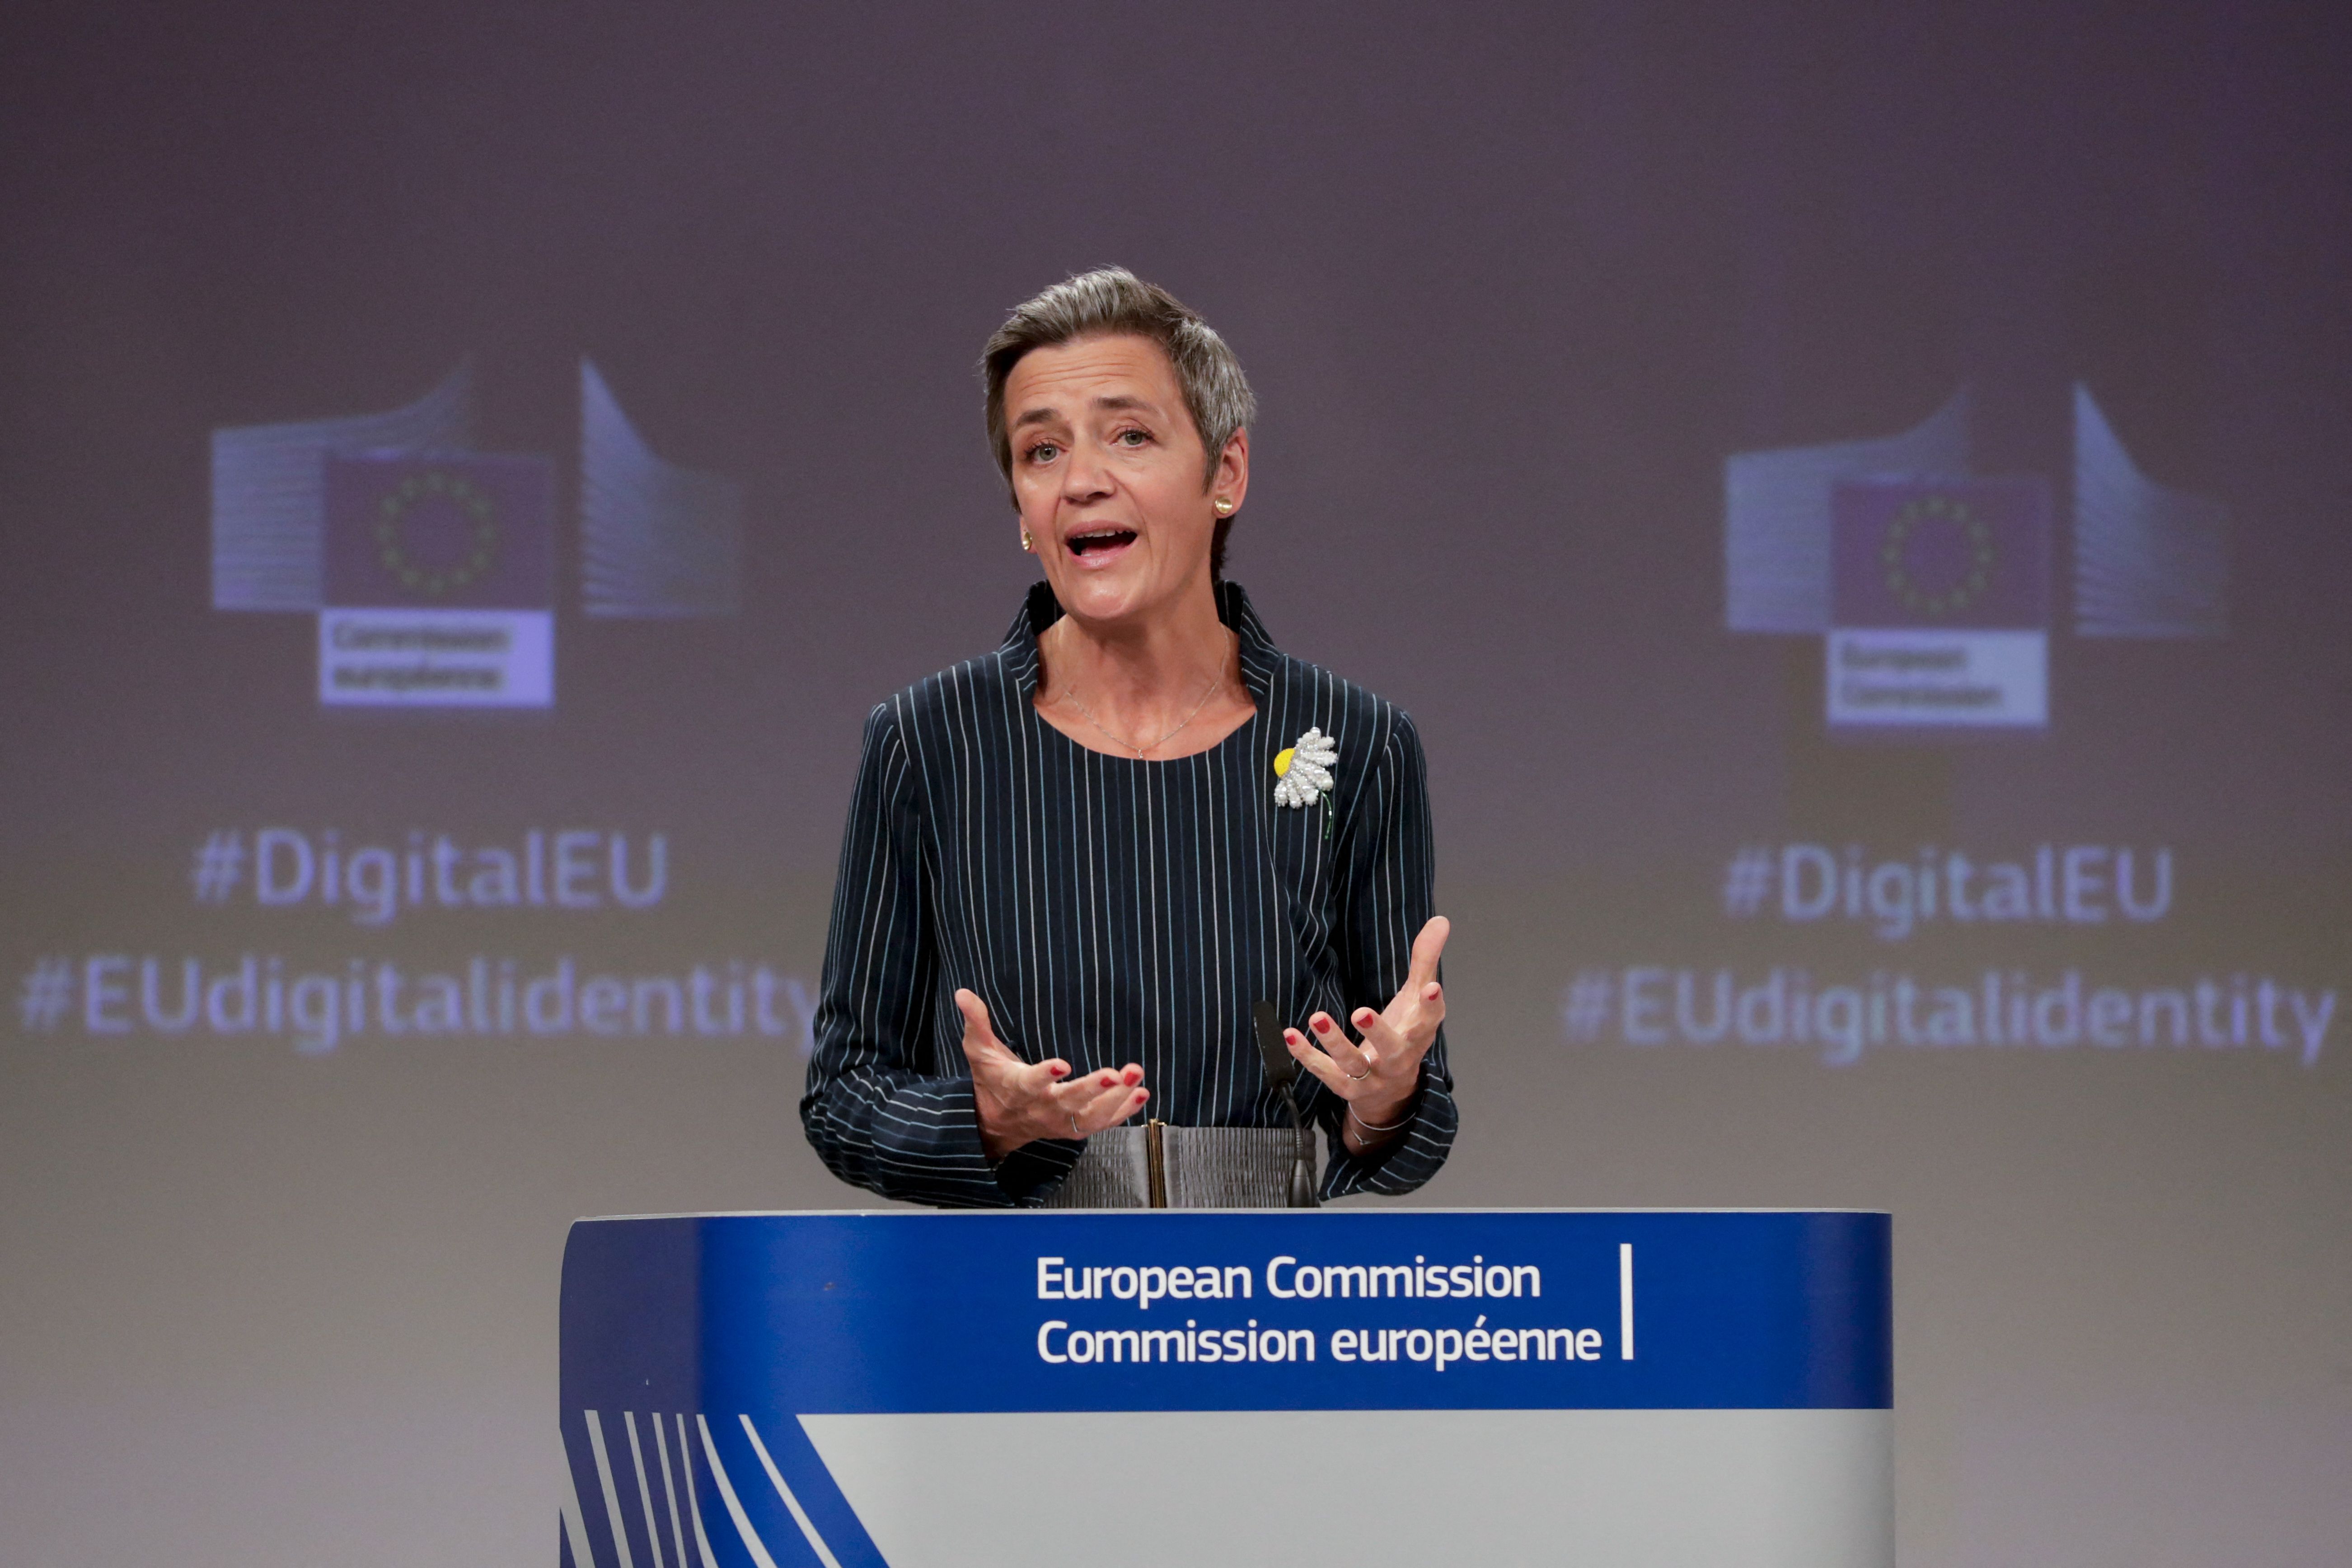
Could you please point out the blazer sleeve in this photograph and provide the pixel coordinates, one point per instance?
(1387, 886)
(888, 1101)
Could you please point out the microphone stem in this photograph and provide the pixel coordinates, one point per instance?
(1302, 1162)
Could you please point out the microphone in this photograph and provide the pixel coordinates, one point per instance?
(1281, 1071)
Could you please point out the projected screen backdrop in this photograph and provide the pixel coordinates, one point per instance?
(1855, 499)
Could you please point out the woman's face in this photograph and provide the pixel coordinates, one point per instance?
(1107, 475)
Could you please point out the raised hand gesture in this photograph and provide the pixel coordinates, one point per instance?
(1020, 1102)
(1379, 1075)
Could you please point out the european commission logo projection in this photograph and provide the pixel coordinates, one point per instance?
(1932, 586)
(432, 567)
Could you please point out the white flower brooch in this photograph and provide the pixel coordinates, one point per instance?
(1302, 771)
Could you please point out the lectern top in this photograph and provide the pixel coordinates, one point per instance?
(998, 1214)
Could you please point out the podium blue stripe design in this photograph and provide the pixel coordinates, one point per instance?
(719, 1493)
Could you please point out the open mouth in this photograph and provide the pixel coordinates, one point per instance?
(1100, 541)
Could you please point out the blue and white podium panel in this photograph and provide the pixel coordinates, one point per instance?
(1342, 1386)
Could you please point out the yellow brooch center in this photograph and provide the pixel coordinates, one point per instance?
(1281, 761)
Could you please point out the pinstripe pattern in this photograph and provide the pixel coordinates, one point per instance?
(1110, 910)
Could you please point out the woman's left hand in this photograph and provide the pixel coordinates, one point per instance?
(1379, 1075)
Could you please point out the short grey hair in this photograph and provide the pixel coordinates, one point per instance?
(1113, 301)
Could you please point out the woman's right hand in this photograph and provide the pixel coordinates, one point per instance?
(1020, 1102)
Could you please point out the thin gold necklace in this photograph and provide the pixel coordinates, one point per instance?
(1142, 752)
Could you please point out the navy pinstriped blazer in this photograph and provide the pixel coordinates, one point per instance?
(1111, 910)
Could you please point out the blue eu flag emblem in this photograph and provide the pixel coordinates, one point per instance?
(1941, 553)
(440, 581)
(454, 531)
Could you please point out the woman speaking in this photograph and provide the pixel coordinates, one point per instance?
(1089, 875)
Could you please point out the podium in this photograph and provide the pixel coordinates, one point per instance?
(1347, 1386)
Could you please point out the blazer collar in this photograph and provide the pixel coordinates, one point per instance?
(1260, 658)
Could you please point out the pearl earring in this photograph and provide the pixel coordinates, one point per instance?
(1025, 539)
(1224, 506)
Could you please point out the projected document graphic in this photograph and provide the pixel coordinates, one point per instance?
(655, 539)
(2149, 561)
